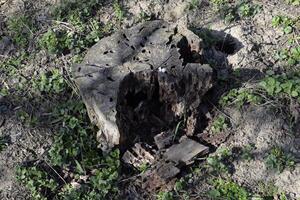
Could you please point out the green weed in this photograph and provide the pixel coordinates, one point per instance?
(21, 29)
(52, 42)
(218, 162)
(246, 153)
(143, 167)
(193, 4)
(165, 196)
(51, 82)
(37, 181)
(291, 56)
(284, 86)
(231, 11)
(10, 66)
(73, 154)
(287, 24)
(293, 2)
(226, 189)
(26, 118)
(4, 92)
(268, 191)
(81, 28)
(118, 11)
(219, 124)
(240, 97)
(277, 159)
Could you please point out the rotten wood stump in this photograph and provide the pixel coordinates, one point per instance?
(139, 84)
(141, 81)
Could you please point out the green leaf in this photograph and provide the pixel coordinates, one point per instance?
(294, 93)
(288, 29)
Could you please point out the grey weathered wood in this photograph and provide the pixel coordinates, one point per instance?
(159, 176)
(164, 139)
(148, 53)
(137, 156)
(185, 151)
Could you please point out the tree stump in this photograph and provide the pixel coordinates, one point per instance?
(141, 81)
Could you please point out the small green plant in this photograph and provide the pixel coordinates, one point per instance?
(229, 190)
(219, 161)
(51, 82)
(144, 167)
(38, 182)
(75, 154)
(246, 9)
(277, 159)
(268, 190)
(21, 29)
(193, 4)
(165, 196)
(219, 2)
(240, 97)
(52, 42)
(246, 153)
(285, 86)
(81, 27)
(10, 66)
(219, 124)
(26, 118)
(293, 2)
(291, 56)
(180, 185)
(231, 10)
(118, 11)
(286, 23)
(4, 92)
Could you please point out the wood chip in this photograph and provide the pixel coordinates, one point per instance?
(185, 151)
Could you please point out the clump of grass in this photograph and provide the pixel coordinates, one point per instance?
(277, 159)
(119, 12)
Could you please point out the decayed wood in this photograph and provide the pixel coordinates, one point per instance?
(168, 167)
(151, 101)
(164, 139)
(159, 176)
(137, 156)
(140, 77)
(185, 151)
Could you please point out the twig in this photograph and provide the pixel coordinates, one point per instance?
(55, 172)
